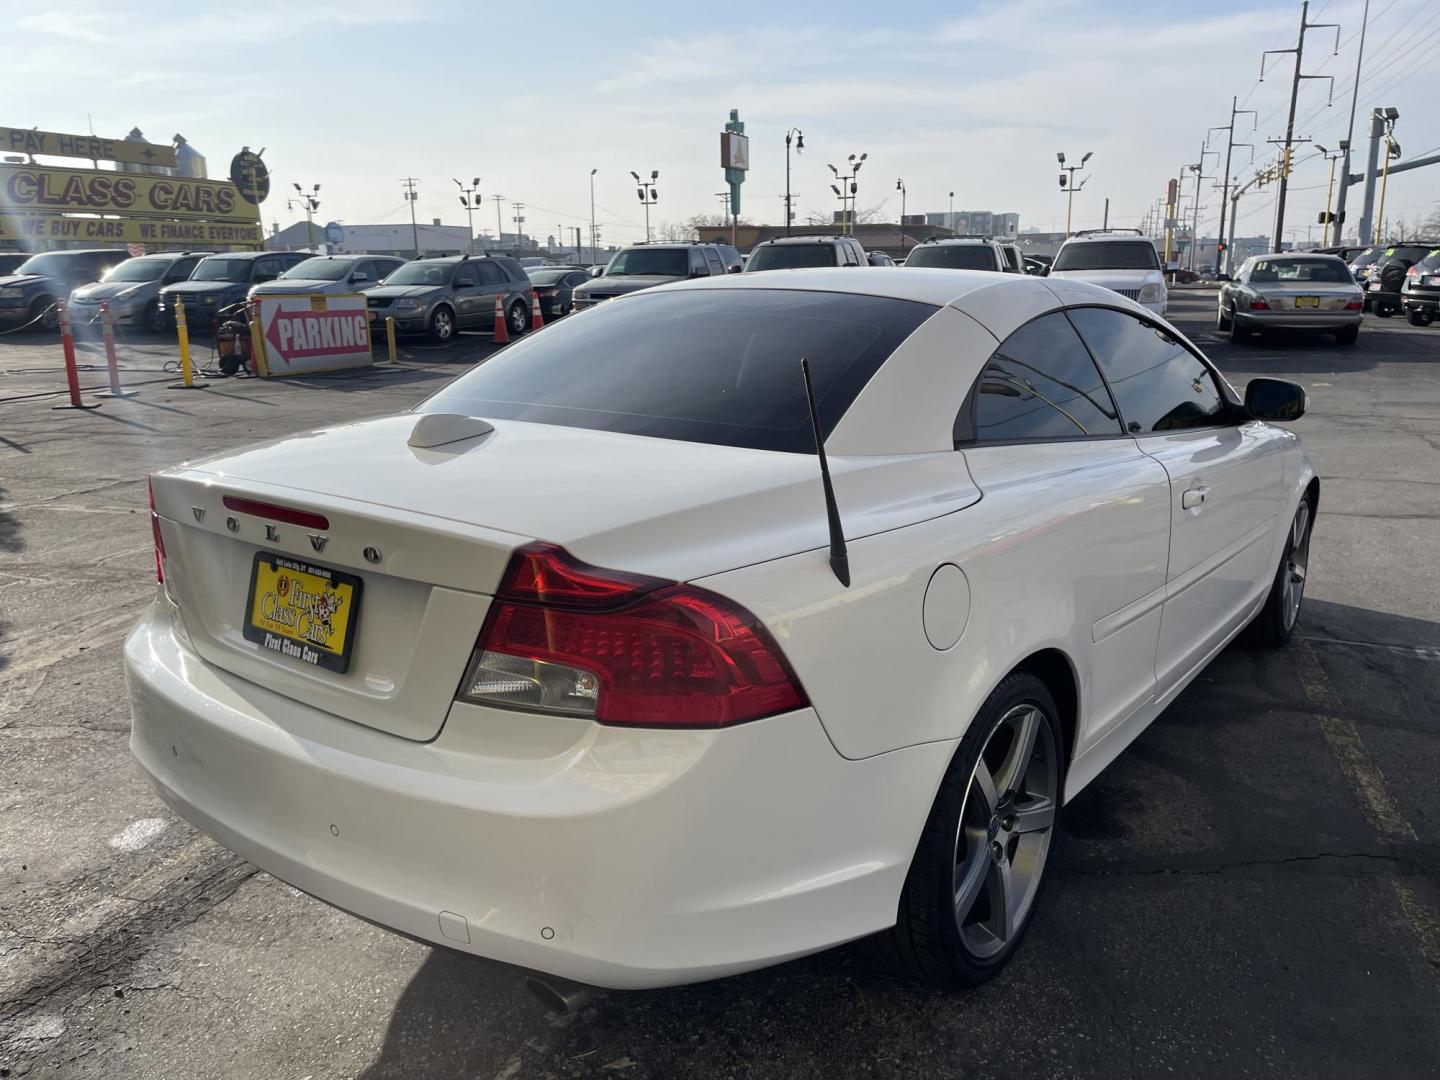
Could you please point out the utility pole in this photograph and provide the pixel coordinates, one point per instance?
(1286, 158)
(499, 225)
(519, 219)
(594, 245)
(1105, 223)
(900, 187)
(1199, 168)
(645, 189)
(470, 199)
(1338, 221)
(1222, 253)
(411, 195)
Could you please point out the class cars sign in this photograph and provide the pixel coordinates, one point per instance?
(33, 187)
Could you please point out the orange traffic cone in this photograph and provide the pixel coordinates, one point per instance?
(502, 331)
(537, 320)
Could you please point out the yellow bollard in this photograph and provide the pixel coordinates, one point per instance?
(390, 336)
(187, 370)
(257, 342)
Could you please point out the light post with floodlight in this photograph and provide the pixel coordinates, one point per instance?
(847, 190)
(900, 187)
(594, 239)
(311, 204)
(799, 149)
(470, 199)
(648, 195)
(1069, 184)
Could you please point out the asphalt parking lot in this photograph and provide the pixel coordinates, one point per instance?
(1251, 890)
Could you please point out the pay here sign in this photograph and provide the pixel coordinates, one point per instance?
(305, 333)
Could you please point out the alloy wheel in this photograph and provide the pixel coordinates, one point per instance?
(443, 325)
(1006, 826)
(1296, 562)
(517, 318)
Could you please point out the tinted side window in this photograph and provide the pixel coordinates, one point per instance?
(716, 266)
(265, 269)
(697, 262)
(490, 274)
(179, 270)
(1040, 384)
(1159, 384)
(465, 278)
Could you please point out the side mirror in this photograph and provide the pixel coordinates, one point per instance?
(1045, 271)
(596, 271)
(736, 268)
(1274, 399)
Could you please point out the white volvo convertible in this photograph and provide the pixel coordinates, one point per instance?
(644, 653)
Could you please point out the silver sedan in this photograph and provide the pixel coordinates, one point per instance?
(1292, 292)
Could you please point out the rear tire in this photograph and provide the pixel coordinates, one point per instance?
(981, 861)
(1222, 320)
(152, 319)
(1347, 335)
(517, 317)
(1239, 333)
(47, 313)
(1419, 318)
(441, 327)
(1275, 623)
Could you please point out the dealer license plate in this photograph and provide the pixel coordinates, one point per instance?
(306, 612)
(1307, 301)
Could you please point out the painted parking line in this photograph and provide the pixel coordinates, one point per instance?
(1367, 783)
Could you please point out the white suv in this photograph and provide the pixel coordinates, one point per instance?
(960, 253)
(1122, 260)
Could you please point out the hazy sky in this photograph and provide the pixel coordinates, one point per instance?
(974, 97)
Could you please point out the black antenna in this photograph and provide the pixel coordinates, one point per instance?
(839, 557)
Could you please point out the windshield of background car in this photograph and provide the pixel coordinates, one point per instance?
(1366, 258)
(1108, 255)
(548, 277)
(667, 262)
(786, 256)
(717, 366)
(42, 264)
(319, 270)
(1282, 271)
(953, 257)
(138, 270)
(1431, 262)
(421, 273)
(233, 270)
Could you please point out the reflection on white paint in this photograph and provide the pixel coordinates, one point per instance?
(138, 834)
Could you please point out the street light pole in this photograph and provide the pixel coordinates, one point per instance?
(648, 195)
(1339, 224)
(900, 187)
(950, 217)
(594, 245)
(311, 204)
(799, 149)
(499, 225)
(470, 199)
(1070, 185)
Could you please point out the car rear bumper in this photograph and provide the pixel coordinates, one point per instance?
(615, 857)
(1292, 320)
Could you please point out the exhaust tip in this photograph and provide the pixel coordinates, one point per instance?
(560, 996)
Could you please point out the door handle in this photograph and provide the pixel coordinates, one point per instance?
(1194, 498)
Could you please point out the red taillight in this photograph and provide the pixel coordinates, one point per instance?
(1259, 305)
(545, 292)
(155, 528)
(1355, 305)
(289, 515)
(622, 648)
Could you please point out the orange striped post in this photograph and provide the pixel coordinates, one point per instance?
(107, 328)
(72, 376)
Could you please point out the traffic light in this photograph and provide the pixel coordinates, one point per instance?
(1287, 159)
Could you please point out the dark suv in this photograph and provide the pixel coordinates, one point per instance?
(221, 281)
(645, 265)
(1421, 295)
(437, 297)
(29, 294)
(1387, 275)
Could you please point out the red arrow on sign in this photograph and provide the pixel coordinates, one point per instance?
(296, 334)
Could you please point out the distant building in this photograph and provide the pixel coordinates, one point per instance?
(977, 222)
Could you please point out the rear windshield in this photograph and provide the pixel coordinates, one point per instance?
(322, 269)
(715, 366)
(786, 256)
(1108, 255)
(1431, 261)
(1331, 271)
(549, 275)
(954, 257)
(667, 262)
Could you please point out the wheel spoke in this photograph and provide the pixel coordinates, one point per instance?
(971, 870)
(1003, 900)
(1011, 774)
(1036, 815)
(982, 785)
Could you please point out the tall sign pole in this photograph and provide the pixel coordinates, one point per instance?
(735, 160)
